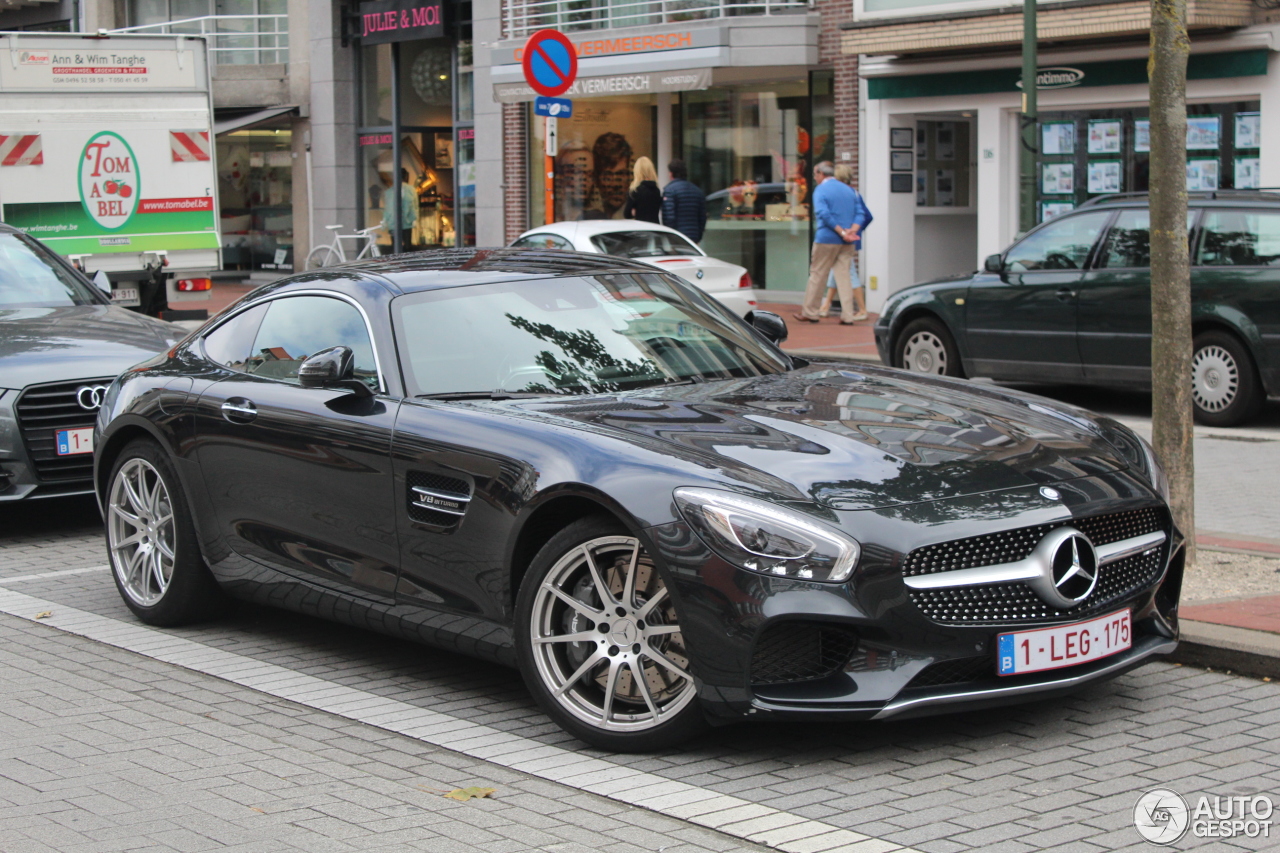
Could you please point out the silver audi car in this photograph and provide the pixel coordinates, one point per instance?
(61, 344)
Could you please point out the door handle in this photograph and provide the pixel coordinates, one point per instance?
(238, 410)
(1066, 294)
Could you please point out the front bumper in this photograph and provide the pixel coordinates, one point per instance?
(898, 661)
(881, 331)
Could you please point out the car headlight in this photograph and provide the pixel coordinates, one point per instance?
(1138, 452)
(763, 537)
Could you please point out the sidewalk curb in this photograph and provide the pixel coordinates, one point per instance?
(1241, 650)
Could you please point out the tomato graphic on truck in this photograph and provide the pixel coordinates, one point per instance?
(108, 167)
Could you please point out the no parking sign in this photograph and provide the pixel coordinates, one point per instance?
(550, 63)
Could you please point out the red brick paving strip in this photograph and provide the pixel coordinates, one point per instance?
(1258, 614)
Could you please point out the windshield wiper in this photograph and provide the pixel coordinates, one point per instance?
(484, 395)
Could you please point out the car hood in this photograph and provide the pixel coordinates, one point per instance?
(854, 438)
(76, 342)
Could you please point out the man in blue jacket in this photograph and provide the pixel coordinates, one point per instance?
(841, 215)
(684, 206)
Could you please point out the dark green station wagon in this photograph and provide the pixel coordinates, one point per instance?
(1071, 302)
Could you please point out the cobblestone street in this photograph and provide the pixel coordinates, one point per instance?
(109, 748)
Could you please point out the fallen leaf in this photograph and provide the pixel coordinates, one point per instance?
(44, 614)
(464, 794)
(259, 811)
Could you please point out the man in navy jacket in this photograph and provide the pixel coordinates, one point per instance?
(841, 215)
(684, 206)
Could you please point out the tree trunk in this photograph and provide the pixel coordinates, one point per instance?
(1171, 410)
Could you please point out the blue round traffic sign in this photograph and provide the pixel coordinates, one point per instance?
(550, 63)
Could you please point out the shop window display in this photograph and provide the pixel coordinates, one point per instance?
(255, 191)
(598, 148)
(751, 148)
(1088, 153)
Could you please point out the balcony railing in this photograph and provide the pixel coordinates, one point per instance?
(523, 17)
(233, 39)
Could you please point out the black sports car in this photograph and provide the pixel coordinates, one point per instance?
(584, 467)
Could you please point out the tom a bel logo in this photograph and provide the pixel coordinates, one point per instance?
(109, 180)
(1162, 817)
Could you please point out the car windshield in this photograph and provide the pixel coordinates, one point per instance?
(643, 244)
(572, 336)
(30, 278)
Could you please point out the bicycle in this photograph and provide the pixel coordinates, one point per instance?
(327, 256)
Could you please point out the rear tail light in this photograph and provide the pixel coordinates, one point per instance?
(745, 281)
(192, 284)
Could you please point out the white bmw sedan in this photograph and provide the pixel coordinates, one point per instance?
(659, 245)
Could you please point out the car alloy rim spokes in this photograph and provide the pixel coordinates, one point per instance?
(1215, 378)
(924, 353)
(605, 638)
(140, 532)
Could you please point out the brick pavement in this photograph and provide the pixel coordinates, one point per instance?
(1060, 775)
(153, 757)
(1259, 613)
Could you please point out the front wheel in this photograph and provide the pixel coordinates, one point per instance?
(321, 256)
(925, 346)
(1224, 384)
(151, 541)
(600, 643)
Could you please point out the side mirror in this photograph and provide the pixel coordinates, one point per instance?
(332, 368)
(768, 324)
(993, 263)
(101, 281)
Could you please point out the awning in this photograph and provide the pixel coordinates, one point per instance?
(225, 121)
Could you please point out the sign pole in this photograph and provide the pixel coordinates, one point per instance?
(549, 179)
(1028, 133)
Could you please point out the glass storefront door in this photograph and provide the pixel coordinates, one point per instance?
(255, 190)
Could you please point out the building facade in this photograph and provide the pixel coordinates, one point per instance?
(941, 98)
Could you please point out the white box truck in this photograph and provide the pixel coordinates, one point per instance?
(107, 157)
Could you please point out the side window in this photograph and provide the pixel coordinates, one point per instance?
(1129, 241)
(1240, 238)
(1063, 244)
(229, 344)
(299, 326)
(542, 241)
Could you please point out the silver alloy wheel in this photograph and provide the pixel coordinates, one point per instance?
(925, 353)
(140, 532)
(605, 639)
(1215, 378)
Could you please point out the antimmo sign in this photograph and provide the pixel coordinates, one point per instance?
(386, 21)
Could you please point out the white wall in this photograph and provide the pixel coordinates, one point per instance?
(486, 28)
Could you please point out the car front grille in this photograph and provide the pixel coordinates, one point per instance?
(1016, 602)
(41, 411)
(794, 651)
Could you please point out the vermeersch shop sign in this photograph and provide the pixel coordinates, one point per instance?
(639, 82)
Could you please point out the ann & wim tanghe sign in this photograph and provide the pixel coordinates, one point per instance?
(385, 21)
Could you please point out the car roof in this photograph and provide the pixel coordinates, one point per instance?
(1217, 198)
(436, 269)
(590, 227)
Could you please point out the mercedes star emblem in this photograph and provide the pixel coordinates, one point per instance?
(1049, 493)
(90, 396)
(1068, 568)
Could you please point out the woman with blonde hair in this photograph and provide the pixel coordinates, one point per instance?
(644, 201)
(844, 174)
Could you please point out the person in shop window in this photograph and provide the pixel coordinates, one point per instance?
(644, 202)
(611, 176)
(840, 216)
(684, 206)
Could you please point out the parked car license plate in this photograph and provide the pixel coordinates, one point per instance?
(73, 441)
(126, 296)
(1063, 645)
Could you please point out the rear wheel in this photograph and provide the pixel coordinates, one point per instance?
(321, 256)
(151, 541)
(600, 644)
(1224, 383)
(925, 346)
